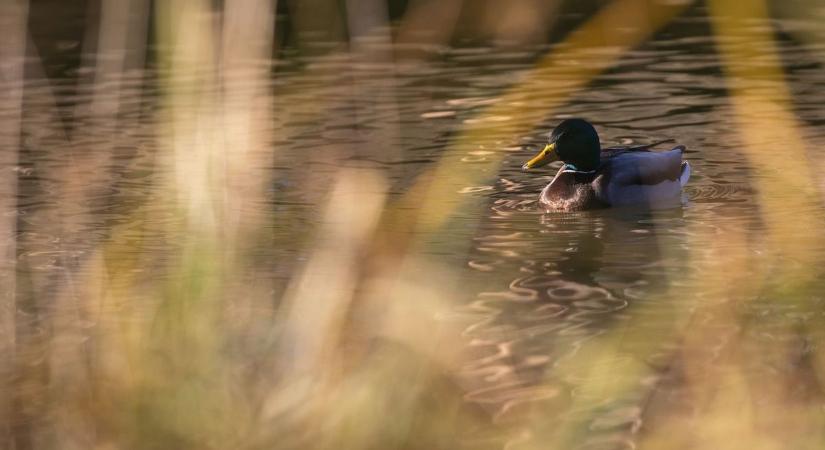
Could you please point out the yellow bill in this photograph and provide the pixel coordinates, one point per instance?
(544, 157)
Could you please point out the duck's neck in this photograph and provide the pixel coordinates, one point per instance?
(573, 169)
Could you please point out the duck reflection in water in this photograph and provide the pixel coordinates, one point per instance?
(615, 249)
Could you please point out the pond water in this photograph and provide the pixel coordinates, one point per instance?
(540, 285)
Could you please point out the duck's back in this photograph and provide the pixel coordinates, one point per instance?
(639, 176)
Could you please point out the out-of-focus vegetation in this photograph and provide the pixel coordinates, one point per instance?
(189, 344)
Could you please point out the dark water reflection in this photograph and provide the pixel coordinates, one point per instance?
(549, 282)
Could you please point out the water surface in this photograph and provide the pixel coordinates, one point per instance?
(543, 284)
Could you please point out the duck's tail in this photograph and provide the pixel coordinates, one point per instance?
(684, 176)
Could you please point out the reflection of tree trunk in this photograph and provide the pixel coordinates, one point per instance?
(118, 46)
(13, 14)
(374, 98)
(248, 27)
(429, 23)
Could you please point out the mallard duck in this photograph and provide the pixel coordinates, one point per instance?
(593, 177)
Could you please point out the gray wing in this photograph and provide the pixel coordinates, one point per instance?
(646, 168)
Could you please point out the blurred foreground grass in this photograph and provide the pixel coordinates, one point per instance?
(185, 347)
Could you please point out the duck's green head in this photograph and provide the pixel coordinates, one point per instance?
(573, 141)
